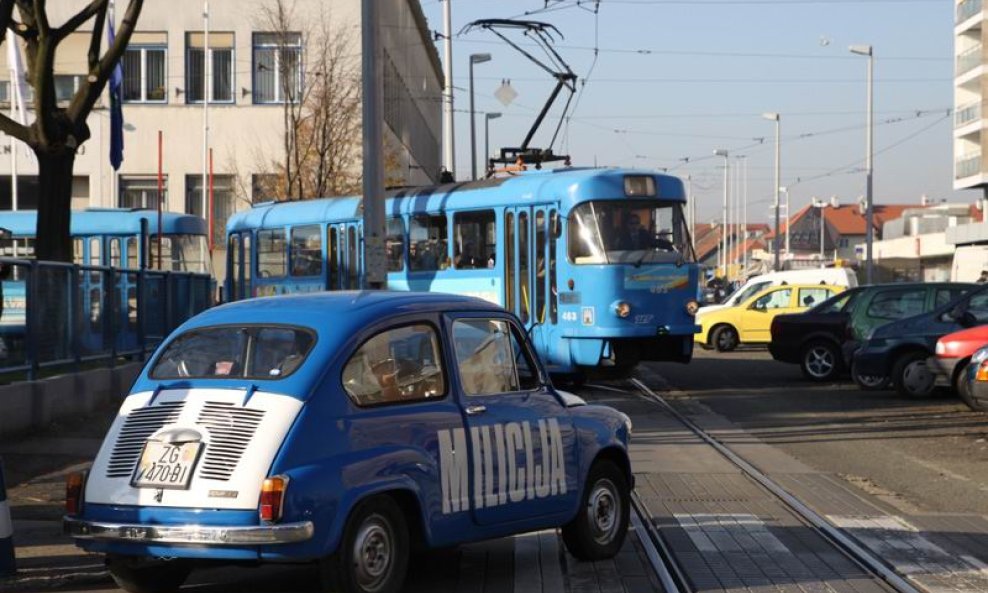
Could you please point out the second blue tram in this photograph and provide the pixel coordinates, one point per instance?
(597, 263)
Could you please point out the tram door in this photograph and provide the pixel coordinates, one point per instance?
(345, 256)
(530, 270)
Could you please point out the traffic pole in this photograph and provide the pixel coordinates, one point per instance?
(375, 263)
(7, 564)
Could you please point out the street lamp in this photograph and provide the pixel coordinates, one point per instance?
(866, 50)
(474, 59)
(723, 224)
(487, 133)
(778, 163)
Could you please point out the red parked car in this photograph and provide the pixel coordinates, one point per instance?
(954, 352)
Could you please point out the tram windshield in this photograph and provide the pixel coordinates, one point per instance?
(629, 231)
(181, 253)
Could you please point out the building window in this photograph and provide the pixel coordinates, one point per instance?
(223, 202)
(221, 66)
(66, 86)
(144, 74)
(142, 192)
(844, 243)
(5, 94)
(277, 67)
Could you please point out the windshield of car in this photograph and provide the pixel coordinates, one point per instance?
(744, 293)
(229, 352)
(629, 231)
(843, 302)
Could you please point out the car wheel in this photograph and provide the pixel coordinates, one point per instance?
(869, 382)
(912, 377)
(144, 575)
(965, 392)
(725, 338)
(820, 361)
(599, 528)
(373, 553)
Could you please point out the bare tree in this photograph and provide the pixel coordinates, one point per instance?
(57, 132)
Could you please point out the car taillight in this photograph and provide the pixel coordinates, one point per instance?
(982, 374)
(74, 484)
(272, 498)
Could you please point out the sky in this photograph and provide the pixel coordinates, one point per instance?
(674, 80)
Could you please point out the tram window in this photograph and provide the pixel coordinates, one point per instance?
(306, 250)
(76, 251)
(332, 255)
(523, 264)
(352, 265)
(428, 240)
(233, 272)
(115, 253)
(248, 263)
(94, 251)
(540, 271)
(166, 253)
(395, 245)
(553, 289)
(133, 257)
(629, 231)
(271, 253)
(473, 240)
(509, 261)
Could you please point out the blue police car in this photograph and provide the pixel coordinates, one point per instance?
(346, 429)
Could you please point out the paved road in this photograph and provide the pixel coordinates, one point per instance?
(928, 455)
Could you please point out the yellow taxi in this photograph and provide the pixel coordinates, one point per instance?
(750, 321)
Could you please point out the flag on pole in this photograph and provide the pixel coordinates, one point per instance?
(116, 106)
(17, 90)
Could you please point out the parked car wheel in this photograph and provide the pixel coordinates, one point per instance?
(912, 377)
(599, 528)
(725, 338)
(144, 575)
(820, 361)
(966, 393)
(373, 553)
(869, 382)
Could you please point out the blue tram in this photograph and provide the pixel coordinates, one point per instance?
(122, 239)
(597, 263)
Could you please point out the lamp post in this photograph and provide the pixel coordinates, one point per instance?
(474, 59)
(778, 163)
(866, 50)
(723, 220)
(487, 133)
(817, 203)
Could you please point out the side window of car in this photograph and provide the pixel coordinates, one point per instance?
(897, 304)
(978, 306)
(945, 295)
(809, 297)
(778, 299)
(490, 358)
(398, 365)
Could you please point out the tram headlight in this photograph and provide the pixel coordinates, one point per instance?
(621, 308)
(692, 307)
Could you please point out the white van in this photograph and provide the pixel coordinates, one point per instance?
(755, 284)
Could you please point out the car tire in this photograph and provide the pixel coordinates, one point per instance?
(600, 526)
(869, 382)
(820, 361)
(373, 552)
(965, 393)
(144, 575)
(912, 377)
(725, 338)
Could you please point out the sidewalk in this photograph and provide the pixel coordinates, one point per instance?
(35, 467)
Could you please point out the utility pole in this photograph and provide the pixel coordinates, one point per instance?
(778, 182)
(449, 152)
(373, 154)
(723, 220)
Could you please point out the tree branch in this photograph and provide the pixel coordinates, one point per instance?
(41, 18)
(12, 128)
(94, 8)
(96, 38)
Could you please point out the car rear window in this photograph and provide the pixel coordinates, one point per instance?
(230, 352)
(897, 304)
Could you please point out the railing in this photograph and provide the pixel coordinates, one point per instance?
(967, 166)
(57, 314)
(967, 9)
(969, 60)
(967, 113)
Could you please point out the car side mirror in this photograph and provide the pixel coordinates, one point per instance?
(756, 306)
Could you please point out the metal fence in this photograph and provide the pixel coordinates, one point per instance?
(57, 314)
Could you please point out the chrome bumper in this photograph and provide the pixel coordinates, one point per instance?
(190, 534)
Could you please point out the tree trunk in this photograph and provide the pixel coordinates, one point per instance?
(54, 243)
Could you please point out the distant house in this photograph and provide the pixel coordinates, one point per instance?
(707, 240)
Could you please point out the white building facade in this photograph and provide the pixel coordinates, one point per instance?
(163, 91)
(970, 89)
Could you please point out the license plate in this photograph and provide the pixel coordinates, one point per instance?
(166, 465)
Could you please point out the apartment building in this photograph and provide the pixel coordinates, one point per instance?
(255, 69)
(970, 88)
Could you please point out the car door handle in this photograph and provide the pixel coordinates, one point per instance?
(476, 410)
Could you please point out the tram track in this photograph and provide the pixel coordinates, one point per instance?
(661, 556)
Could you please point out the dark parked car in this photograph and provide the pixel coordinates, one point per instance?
(823, 340)
(899, 350)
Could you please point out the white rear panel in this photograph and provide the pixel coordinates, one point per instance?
(240, 441)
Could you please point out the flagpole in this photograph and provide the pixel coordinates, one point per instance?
(205, 107)
(14, 105)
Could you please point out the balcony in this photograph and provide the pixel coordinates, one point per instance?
(966, 114)
(967, 165)
(969, 60)
(967, 9)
